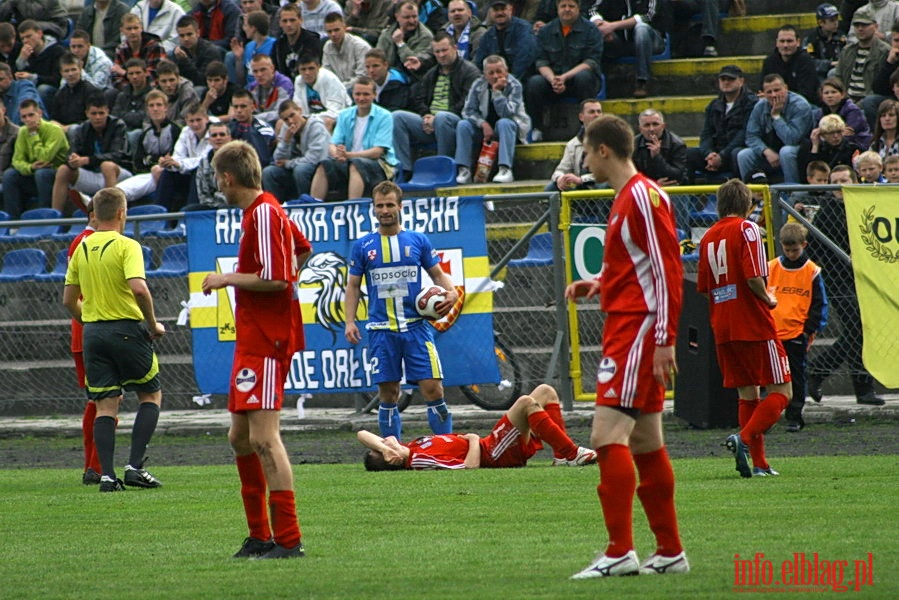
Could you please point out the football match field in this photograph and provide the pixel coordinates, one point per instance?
(828, 523)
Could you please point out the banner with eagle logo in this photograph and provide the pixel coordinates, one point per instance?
(872, 217)
(456, 229)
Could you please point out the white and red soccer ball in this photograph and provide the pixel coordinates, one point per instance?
(427, 300)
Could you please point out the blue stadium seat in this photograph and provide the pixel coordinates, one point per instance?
(431, 172)
(31, 233)
(74, 229)
(707, 215)
(540, 252)
(22, 264)
(148, 257)
(174, 262)
(146, 227)
(4, 216)
(178, 231)
(59, 268)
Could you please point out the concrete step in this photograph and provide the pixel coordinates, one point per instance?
(756, 34)
(769, 7)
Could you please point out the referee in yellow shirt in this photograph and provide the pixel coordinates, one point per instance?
(107, 271)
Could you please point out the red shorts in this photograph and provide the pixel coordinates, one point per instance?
(257, 383)
(79, 367)
(753, 363)
(505, 447)
(624, 377)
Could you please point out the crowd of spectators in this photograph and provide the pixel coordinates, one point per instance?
(147, 82)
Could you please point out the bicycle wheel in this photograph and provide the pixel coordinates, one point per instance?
(371, 400)
(502, 395)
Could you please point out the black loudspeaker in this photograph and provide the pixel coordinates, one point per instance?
(699, 398)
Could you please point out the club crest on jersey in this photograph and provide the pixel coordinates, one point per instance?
(245, 380)
(406, 251)
(654, 197)
(372, 254)
(606, 370)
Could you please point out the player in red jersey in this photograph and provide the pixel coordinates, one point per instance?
(515, 438)
(92, 468)
(269, 331)
(733, 269)
(640, 290)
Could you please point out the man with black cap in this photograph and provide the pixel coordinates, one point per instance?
(724, 130)
(825, 43)
(509, 37)
(860, 60)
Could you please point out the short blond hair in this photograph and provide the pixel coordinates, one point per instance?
(107, 202)
(240, 160)
(869, 157)
(831, 123)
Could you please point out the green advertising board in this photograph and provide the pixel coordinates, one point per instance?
(586, 243)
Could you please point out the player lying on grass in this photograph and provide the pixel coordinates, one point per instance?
(516, 437)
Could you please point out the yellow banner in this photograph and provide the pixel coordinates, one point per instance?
(872, 215)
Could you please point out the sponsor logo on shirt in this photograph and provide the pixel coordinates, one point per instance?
(245, 380)
(724, 294)
(606, 371)
(394, 275)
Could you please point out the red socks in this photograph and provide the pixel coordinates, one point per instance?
(617, 482)
(554, 410)
(656, 493)
(91, 461)
(763, 417)
(544, 426)
(280, 502)
(252, 489)
(284, 518)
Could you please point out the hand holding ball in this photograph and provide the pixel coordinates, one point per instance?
(427, 300)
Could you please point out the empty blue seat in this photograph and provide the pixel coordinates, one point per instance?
(74, 229)
(540, 252)
(22, 264)
(59, 268)
(174, 262)
(707, 215)
(4, 216)
(31, 233)
(148, 257)
(178, 231)
(146, 227)
(431, 172)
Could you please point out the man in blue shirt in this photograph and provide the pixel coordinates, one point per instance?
(777, 124)
(361, 153)
(391, 259)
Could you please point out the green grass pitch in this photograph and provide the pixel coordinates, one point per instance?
(516, 533)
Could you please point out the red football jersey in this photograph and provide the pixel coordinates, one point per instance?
(730, 253)
(447, 451)
(78, 328)
(269, 323)
(641, 267)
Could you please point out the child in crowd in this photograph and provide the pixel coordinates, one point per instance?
(826, 42)
(801, 310)
(869, 167)
(816, 173)
(891, 169)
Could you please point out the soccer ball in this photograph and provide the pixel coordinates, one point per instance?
(427, 299)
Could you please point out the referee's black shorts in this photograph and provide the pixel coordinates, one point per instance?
(117, 355)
